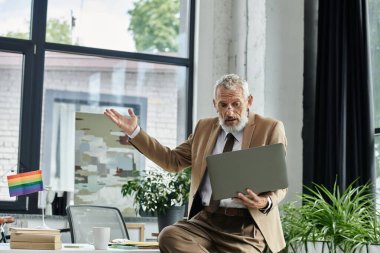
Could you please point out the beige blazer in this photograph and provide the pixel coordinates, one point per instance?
(259, 131)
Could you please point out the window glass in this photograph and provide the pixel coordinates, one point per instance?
(377, 166)
(15, 18)
(374, 35)
(157, 26)
(10, 93)
(81, 152)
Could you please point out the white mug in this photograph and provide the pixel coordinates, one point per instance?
(101, 237)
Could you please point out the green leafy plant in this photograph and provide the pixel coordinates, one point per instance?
(155, 25)
(155, 191)
(344, 221)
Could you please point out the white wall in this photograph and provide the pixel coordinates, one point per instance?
(284, 78)
(262, 41)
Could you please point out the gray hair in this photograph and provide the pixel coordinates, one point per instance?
(231, 82)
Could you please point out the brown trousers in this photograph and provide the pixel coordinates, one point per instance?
(207, 232)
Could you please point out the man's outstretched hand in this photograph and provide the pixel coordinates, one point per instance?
(126, 123)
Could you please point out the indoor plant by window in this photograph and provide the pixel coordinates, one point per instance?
(342, 222)
(158, 192)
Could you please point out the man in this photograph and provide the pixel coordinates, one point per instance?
(246, 223)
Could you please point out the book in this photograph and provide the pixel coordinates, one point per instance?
(35, 245)
(34, 231)
(34, 237)
(38, 239)
(141, 245)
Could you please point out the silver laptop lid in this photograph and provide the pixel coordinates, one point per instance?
(261, 169)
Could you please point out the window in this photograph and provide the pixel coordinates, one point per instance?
(15, 19)
(158, 26)
(11, 65)
(85, 66)
(374, 33)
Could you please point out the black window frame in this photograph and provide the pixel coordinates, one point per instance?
(32, 88)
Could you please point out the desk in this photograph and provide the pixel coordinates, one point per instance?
(4, 247)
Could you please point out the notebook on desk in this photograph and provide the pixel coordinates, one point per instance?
(261, 169)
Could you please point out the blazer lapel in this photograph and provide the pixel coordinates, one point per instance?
(248, 131)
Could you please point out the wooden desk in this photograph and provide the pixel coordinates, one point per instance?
(4, 247)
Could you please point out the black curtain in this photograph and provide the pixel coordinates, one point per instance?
(343, 141)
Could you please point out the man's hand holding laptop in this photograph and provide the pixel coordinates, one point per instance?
(252, 200)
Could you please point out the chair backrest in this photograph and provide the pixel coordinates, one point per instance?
(82, 218)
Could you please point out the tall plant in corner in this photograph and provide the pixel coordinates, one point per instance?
(344, 221)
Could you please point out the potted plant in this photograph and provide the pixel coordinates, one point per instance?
(160, 193)
(346, 222)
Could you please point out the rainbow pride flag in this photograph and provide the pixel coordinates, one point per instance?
(25, 183)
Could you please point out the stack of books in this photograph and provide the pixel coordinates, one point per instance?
(128, 244)
(27, 238)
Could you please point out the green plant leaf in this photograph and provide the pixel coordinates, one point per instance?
(155, 191)
(346, 220)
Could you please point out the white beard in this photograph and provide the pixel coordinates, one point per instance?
(234, 129)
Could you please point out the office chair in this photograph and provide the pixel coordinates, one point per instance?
(82, 218)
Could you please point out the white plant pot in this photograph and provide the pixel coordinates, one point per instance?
(320, 247)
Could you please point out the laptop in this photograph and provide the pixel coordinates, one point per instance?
(261, 169)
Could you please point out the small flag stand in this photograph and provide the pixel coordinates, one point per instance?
(42, 205)
(26, 183)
